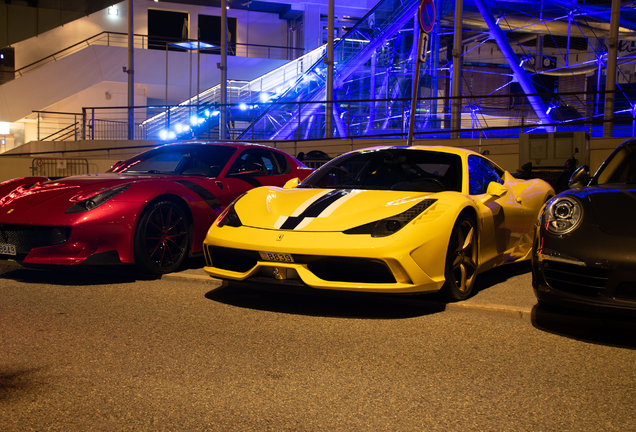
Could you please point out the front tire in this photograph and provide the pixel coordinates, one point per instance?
(162, 238)
(461, 260)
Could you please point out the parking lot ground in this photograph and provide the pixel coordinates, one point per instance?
(504, 291)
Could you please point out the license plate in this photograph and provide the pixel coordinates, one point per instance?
(7, 249)
(279, 257)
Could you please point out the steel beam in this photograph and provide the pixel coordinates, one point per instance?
(519, 73)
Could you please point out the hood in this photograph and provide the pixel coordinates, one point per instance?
(322, 210)
(28, 195)
(614, 208)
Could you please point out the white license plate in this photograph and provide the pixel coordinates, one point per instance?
(279, 257)
(7, 249)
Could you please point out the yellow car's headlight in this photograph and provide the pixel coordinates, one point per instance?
(393, 224)
(228, 217)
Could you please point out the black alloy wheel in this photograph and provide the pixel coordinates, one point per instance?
(162, 238)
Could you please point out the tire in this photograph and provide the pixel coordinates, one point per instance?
(162, 238)
(461, 260)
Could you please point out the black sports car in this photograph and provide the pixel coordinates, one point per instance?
(584, 253)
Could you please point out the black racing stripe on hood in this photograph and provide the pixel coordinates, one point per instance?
(205, 194)
(315, 208)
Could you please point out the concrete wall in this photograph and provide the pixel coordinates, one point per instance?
(264, 28)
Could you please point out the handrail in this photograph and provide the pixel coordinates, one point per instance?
(61, 51)
(55, 112)
(60, 132)
(56, 55)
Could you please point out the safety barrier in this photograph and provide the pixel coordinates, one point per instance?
(58, 167)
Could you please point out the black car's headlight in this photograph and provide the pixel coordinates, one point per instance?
(92, 199)
(563, 215)
(393, 224)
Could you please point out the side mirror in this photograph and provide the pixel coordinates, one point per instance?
(580, 178)
(495, 190)
(291, 184)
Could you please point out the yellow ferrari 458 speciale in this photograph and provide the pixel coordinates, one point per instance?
(399, 219)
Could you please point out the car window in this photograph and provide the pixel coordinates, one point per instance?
(621, 168)
(481, 172)
(258, 162)
(165, 162)
(206, 161)
(179, 159)
(391, 169)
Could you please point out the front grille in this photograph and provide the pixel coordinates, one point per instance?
(579, 280)
(232, 259)
(337, 269)
(25, 237)
(333, 269)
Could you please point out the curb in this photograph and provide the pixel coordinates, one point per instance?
(490, 308)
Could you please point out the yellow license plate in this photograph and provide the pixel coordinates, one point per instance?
(278, 257)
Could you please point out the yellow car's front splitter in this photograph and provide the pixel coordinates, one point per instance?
(400, 263)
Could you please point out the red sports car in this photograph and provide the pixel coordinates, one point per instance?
(153, 209)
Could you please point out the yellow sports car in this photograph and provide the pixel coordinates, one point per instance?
(385, 219)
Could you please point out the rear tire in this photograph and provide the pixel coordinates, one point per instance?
(162, 238)
(461, 260)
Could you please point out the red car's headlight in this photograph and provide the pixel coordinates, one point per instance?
(92, 199)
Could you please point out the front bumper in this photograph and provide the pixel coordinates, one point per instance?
(587, 270)
(335, 261)
(89, 243)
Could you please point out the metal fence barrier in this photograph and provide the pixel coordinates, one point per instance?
(54, 168)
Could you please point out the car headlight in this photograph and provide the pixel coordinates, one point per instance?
(229, 217)
(87, 201)
(563, 215)
(393, 224)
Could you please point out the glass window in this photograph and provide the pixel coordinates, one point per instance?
(391, 169)
(620, 168)
(177, 159)
(481, 172)
(256, 162)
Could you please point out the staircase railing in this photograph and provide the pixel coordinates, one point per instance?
(108, 38)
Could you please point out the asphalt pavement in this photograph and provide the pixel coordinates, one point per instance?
(504, 291)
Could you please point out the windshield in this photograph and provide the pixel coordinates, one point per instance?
(196, 160)
(401, 169)
(620, 168)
